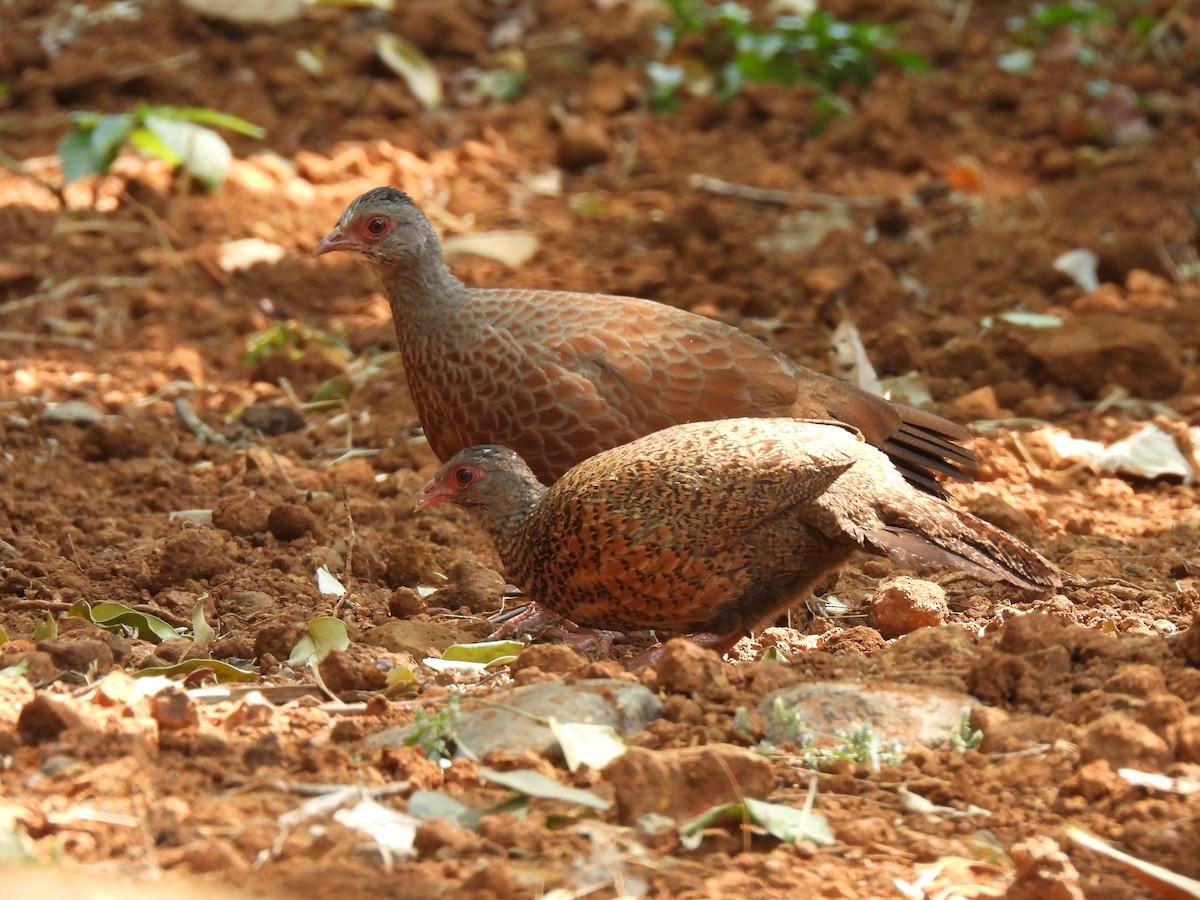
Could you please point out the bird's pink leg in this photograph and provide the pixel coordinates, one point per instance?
(541, 621)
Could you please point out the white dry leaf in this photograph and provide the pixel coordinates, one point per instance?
(390, 829)
(197, 517)
(1162, 882)
(909, 388)
(1023, 318)
(1081, 266)
(403, 58)
(851, 358)
(239, 12)
(1159, 782)
(587, 744)
(328, 584)
(237, 256)
(513, 248)
(1148, 453)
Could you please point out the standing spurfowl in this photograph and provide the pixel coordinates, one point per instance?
(714, 527)
(561, 376)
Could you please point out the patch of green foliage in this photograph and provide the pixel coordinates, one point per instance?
(179, 137)
(1097, 28)
(290, 337)
(435, 732)
(719, 49)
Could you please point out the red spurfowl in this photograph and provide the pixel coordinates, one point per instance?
(714, 527)
(561, 376)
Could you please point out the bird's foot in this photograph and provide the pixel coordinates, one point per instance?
(537, 621)
(534, 619)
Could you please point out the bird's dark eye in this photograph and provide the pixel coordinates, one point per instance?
(464, 475)
(377, 225)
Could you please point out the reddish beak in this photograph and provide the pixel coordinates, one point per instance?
(335, 240)
(433, 494)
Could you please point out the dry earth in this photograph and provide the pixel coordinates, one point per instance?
(955, 192)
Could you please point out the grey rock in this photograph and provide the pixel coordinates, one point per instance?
(625, 705)
(906, 713)
(72, 412)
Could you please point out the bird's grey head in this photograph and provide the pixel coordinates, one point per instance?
(487, 478)
(386, 227)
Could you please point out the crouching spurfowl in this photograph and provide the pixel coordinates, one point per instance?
(714, 527)
(561, 376)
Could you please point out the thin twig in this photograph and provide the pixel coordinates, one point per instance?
(201, 430)
(64, 289)
(15, 165)
(65, 340)
(769, 195)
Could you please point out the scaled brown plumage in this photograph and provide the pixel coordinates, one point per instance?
(714, 526)
(561, 376)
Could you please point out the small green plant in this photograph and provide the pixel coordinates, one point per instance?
(1082, 16)
(179, 137)
(964, 737)
(718, 49)
(290, 337)
(435, 732)
(861, 745)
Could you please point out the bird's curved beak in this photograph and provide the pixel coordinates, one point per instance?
(335, 240)
(433, 494)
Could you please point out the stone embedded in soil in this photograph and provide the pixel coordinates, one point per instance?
(241, 515)
(194, 554)
(118, 439)
(904, 604)
(1090, 353)
(1044, 872)
(581, 144)
(291, 521)
(908, 714)
(79, 654)
(682, 783)
(418, 637)
(1123, 742)
(342, 672)
(626, 706)
(174, 710)
(47, 716)
(1187, 740)
(558, 659)
(687, 668)
(1189, 644)
(270, 418)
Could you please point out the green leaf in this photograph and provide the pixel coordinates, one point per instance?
(325, 634)
(783, 822)
(398, 675)
(530, 783)
(223, 671)
(585, 744)
(202, 152)
(78, 160)
(202, 632)
(335, 390)
(108, 135)
(46, 630)
(203, 116)
(118, 617)
(3, 636)
(147, 143)
(489, 653)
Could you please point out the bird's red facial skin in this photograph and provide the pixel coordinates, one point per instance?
(372, 228)
(447, 488)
